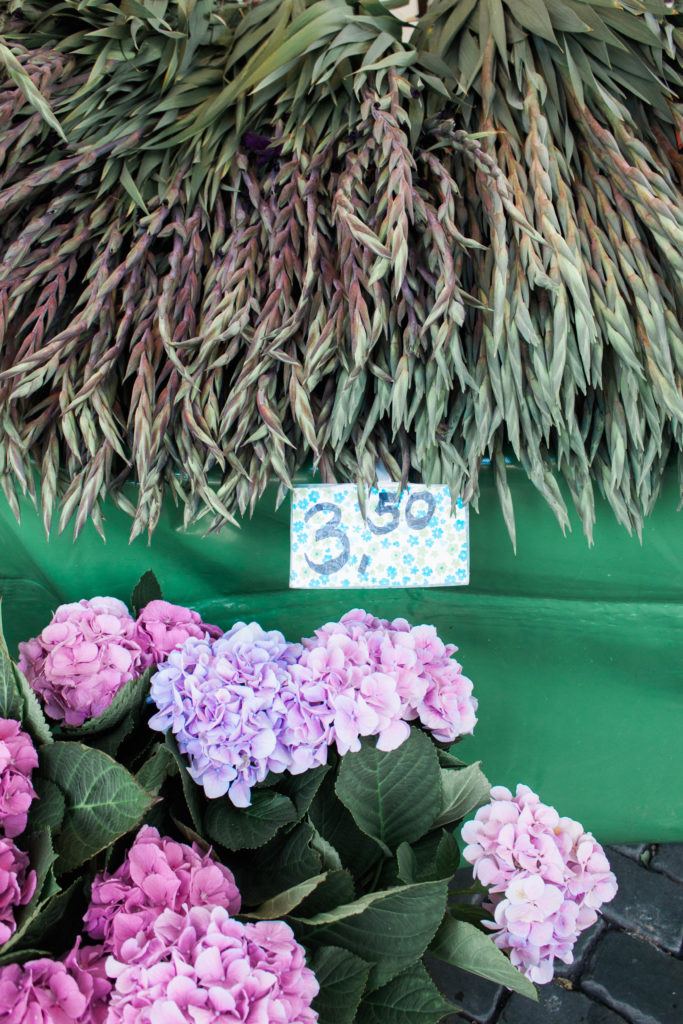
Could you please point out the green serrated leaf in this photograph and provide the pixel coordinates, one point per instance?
(342, 977)
(129, 700)
(146, 589)
(191, 790)
(390, 930)
(156, 769)
(463, 789)
(240, 828)
(47, 809)
(103, 800)
(285, 902)
(410, 998)
(379, 789)
(461, 944)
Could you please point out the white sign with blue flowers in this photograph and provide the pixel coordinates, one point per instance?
(410, 538)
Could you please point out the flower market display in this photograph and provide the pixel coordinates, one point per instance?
(203, 826)
(238, 236)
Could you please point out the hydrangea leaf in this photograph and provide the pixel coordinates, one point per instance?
(285, 902)
(42, 858)
(32, 716)
(191, 790)
(146, 589)
(342, 977)
(285, 861)
(461, 944)
(463, 789)
(301, 789)
(390, 929)
(156, 769)
(103, 800)
(410, 998)
(379, 789)
(336, 890)
(47, 810)
(358, 852)
(240, 828)
(128, 701)
(17, 699)
(50, 917)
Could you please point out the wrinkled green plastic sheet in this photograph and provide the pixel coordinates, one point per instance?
(576, 653)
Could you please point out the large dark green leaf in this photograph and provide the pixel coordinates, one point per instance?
(191, 790)
(342, 977)
(159, 766)
(240, 828)
(390, 930)
(147, 588)
(47, 810)
(379, 789)
(285, 902)
(357, 851)
(284, 862)
(465, 946)
(410, 998)
(103, 800)
(463, 790)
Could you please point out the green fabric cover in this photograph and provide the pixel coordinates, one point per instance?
(576, 653)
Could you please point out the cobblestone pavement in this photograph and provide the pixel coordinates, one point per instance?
(628, 967)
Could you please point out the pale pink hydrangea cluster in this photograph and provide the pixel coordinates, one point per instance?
(547, 878)
(18, 758)
(91, 648)
(250, 703)
(74, 990)
(383, 674)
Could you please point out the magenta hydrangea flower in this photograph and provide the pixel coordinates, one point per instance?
(223, 702)
(547, 878)
(216, 969)
(18, 758)
(158, 874)
(82, 658)
(74, 990)
(17, 885)
(427, 679)
(163, 627)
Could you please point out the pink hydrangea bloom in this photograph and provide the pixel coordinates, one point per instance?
(18, 758)
(87, 966)
(73, 991)
(547, 878)
(17, 885)
(82, 658)
(162, 627)
(158, 874)
(428, 681)
(216, 969)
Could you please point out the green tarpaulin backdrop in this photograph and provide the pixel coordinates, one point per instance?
(576, 653)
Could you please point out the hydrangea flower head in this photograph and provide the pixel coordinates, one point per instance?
(158, 874)
(163, 627)
(82, 658)
(222, 699)
(18, 758)
(73, 991)
(216, 969)
(547, 878)
(427, 679)
(17, 885)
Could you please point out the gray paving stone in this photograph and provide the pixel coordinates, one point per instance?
(557, 1005)
(669, 860)
(477, 997)
(585, 942)
(647, 903)
(640, 982)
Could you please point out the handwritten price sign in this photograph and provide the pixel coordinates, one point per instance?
(409, 539)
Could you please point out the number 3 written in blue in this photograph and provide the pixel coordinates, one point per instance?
(387, 506)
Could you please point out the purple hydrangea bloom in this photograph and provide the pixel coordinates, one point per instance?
(223, 702)
(547, 878)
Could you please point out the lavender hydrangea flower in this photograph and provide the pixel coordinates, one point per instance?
(547, 878)
(223, 702)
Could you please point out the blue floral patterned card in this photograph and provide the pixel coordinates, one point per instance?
(409, 538)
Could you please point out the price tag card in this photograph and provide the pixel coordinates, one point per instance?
(409, 539)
